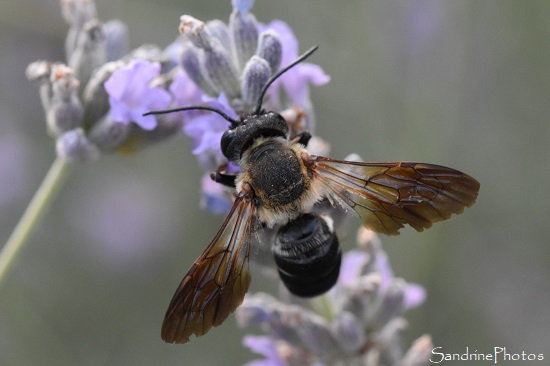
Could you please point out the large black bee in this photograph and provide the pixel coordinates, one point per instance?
(278, 185)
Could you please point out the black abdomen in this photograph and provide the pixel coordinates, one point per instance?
(276, 173)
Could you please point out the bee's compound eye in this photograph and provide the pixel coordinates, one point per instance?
(226, 143)
(307, 255)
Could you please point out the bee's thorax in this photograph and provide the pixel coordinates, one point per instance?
(275, 170)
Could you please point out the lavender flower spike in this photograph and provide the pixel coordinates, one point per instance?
(358, 322)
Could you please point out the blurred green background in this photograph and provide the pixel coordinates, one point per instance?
(459, 83)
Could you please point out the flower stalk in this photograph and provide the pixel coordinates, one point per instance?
(37, 207)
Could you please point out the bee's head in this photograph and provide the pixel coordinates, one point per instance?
(259, 123)
(237, 140)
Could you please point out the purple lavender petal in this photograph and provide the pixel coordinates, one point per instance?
(414, 296)
(130, 94)
(264, 346)
(221, 103)
(296, 80)
(242, 6)
(383, 267)
(214, 198)
(185, 91)
(207, 129)
(352, 266)
(288, 40)
(206, 132)
(297, 83)
(233, 168)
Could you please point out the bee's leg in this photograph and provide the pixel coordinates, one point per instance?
(301, 138)
(228, 180)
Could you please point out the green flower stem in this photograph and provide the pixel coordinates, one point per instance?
(36, 209)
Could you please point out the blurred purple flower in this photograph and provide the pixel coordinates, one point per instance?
(361, 318)
(242, 6)
(296, 80)
(131, 95)
(414, 294)
(214, 197)
(123, 223)
(185, 92)
(264, 346)
(352, 266)
(206, 130)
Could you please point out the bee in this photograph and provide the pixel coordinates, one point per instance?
(278, 185)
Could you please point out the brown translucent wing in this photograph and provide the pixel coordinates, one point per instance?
(216, 283)
(388, 195)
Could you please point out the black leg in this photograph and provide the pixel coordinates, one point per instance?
(228, 180)
(301, 138)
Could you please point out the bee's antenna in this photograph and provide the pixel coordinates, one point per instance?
(233, 122)
(281, 72)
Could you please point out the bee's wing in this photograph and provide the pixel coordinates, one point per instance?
(218, 280)
(388, 195)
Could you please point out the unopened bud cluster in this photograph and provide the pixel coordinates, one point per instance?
(358, 322)
(101, 91)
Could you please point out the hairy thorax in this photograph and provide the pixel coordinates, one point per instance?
(279, 178)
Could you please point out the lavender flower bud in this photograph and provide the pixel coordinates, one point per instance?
(107, 134)
(217, 62)
(147, 52)
(39, 72)
(78, 12)
(392, 302)
(390, 340)
(348, 332)
(366, 238)
(116, 39)
(191, 64)
(217, 29)
(242, 6)
(270, 49)
(95, 97)
(64, 83)
(358, 298)
(220, 70)
(255, 75)
(196, 31)
(74, 145)
(255, 310)
(419, 353)
(64, 111)
(89, 53)
(244, 30)
(315, 334)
